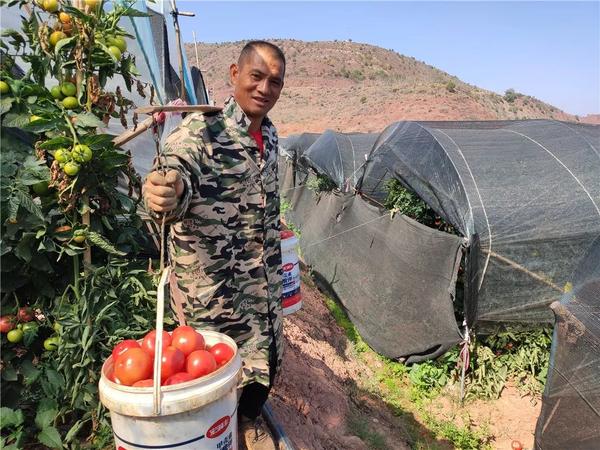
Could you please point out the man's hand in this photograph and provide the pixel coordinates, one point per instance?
(162, 192)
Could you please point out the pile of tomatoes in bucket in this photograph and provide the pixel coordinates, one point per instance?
(185, 357)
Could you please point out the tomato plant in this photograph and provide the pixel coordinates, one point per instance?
(66, 192)
(186, 339)
(200, 363)
(222, 353)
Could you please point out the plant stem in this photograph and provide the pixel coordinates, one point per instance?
(73, 132)
(76, 274)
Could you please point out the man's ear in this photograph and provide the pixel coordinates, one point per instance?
(233, 73)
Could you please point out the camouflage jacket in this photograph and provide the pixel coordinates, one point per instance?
(224, 242)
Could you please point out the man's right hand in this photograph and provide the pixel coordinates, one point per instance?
(162, 192)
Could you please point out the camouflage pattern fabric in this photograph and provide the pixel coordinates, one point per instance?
(224, 243)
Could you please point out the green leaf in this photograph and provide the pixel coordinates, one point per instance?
(13, 207)
(27, 202)
(46, 413)
(50, 438)
(9, 373)
(6, 104)
(30, 372)
(88, 119)
(23, 248)
(57, 142)
(77, 13)
(72, 433)
(10, 417)
(55, 380)
(42, 125)
(98, 141)
(101, 242)
(63, 42)
(135, 13)
(15, 120)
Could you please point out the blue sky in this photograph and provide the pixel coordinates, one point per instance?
(550, 50)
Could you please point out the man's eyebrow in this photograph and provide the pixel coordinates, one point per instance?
(260, 72)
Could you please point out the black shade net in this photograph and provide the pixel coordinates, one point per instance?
(524, 194)
(394, 276)
(570, 416)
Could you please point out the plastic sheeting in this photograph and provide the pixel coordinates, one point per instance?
(524, 194)
(340, 156)
(529, 190)
(394, 276)
(570, 416)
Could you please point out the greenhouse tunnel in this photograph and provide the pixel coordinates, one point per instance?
(523, 194)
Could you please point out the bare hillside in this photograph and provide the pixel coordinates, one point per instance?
(348, 86)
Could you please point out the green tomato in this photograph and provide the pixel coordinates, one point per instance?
(40, 188)
(29, 326)
(71, 168)
(4, 87)
(68, 89)
(70, 103)
(82, 153)
(50, 5)
(56, 326)
(51, 343)
(115, 51)
(62, 155)
(118, 42)
(79, 236)
(15, 336)
(93, 4)
(56, 92)
(56, 36)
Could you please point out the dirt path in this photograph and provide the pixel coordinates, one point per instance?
(321, 401)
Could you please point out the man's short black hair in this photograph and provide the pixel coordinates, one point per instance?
(252, 46)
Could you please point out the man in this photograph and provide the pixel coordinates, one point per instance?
(220, 195)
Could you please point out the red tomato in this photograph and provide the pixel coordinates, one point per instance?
(200, 363)
(186, 339)
(180, 377)
(133, 365)
(122, 347)
(172, 362)
(222, 353)
(148, 382)
(7, 323)
(25, 314)
(150, 339)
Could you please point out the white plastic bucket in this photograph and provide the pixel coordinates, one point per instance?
(200, 414)
(291, 298)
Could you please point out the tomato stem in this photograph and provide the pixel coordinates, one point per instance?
(73, 132)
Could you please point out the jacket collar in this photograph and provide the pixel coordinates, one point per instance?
(233, 112)
(239, 122)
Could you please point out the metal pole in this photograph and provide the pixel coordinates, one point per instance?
(179, 49)
(196, 48)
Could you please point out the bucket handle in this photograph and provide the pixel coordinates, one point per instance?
(163, 285)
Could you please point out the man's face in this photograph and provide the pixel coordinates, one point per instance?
(257, 83)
